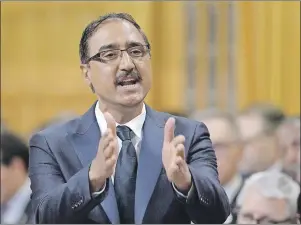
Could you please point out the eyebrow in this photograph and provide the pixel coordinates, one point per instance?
(128, 44)
(133, 43)
(108, 46)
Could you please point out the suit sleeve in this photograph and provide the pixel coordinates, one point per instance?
(53, 199)
(207, 202)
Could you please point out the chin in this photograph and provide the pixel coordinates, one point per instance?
(132, 101)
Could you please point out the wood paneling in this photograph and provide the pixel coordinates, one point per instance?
(268, 54)
(40, 63)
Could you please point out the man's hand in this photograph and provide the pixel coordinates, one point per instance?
(103, 164)
(173, 157)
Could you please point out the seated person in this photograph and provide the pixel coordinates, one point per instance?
(268, 197)
(15, 184)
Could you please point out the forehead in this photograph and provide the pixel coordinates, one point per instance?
(257, 204)
(250, 125)
(114, 31)
(220, 129)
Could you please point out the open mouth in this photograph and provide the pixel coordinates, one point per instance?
(127, 82)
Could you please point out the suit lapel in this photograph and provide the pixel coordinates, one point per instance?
(150, 162)
(85, 142)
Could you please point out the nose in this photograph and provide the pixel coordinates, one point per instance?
(126, 62)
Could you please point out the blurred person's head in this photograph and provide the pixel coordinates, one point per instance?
(288, 136)
(225, 138)
(268, 197)
(14, 164)
(257, 125)
(115, 61)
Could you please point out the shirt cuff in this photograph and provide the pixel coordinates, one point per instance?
(180, 194)
(97, 193)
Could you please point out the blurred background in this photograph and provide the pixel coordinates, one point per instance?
(205, 54)
(235, 57)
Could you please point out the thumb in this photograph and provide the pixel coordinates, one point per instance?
(110, 122)
(169, 130)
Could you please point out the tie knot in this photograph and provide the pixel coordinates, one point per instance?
(124, 133)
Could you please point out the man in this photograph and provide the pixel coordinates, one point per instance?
(258, 125)
(15, 184)
(288, 136)
(122, 162)
(268, 197)
(227, 145)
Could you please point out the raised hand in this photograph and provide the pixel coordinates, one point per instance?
(103, 164)
(173, 157)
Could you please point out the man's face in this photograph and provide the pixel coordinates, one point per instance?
(260, 149)
(289, 142)
(225, 146)
(7, 183)
(258, 209)
(126, 80)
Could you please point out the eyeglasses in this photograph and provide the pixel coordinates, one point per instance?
(112, 55)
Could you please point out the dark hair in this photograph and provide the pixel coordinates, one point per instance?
(92, 28)
(12, 146)
(271, 114)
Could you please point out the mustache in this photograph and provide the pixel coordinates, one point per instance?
(135, 75)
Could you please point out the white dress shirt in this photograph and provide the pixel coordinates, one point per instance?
(135, 125)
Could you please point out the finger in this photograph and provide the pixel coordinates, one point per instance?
(179, 161)
(112, 149)
(174, 168)
(169, 130)
(109, 150)
(178, 140)
(111, 124)
(180, 151)
(106, 139)
(110, 163)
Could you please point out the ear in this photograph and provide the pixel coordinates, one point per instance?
(85, 70)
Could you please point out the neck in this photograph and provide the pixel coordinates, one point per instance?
(122, 114)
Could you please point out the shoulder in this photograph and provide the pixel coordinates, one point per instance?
(183, 125)
(56, 131)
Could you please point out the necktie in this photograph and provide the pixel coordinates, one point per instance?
(125, 176)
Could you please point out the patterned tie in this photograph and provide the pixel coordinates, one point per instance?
(125, 176)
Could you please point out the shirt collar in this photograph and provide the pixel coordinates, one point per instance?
(135, 124)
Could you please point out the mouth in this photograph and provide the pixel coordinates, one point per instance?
(127, 82)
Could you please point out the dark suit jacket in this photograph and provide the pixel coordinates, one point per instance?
(60, 157)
